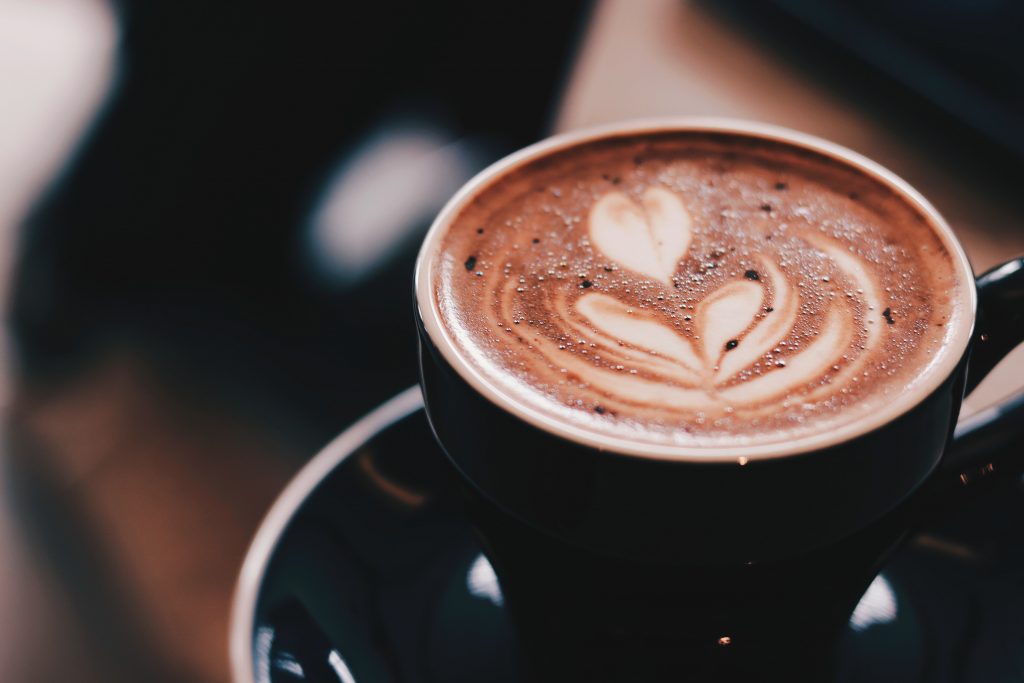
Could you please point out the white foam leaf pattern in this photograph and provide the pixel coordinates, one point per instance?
(618, 322)
(769, 332)
(649, 238)
(725, 315)
(801, 369)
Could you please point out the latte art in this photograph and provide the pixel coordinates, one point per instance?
(682, 290)
(733, 325)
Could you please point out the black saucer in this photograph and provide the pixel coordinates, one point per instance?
(366, 570)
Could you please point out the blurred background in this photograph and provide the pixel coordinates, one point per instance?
(209, 213)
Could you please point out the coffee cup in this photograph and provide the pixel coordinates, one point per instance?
(785, 331)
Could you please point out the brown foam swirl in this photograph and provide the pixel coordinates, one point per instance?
(664, 301)
(638, 364)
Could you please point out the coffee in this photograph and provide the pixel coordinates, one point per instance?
(694, 288)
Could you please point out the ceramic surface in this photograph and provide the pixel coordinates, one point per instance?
(367, 570)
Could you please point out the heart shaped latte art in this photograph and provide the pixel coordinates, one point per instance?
(649, 237)
(739, 325)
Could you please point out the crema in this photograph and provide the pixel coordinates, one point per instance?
(695, 288)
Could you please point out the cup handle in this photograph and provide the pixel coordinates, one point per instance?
(979, 447)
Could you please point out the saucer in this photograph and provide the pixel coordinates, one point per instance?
(365, 569)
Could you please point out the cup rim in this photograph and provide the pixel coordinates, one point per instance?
(431, 319)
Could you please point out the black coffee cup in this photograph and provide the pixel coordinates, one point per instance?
(626, 561)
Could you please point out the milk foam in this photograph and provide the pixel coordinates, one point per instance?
(682, 291)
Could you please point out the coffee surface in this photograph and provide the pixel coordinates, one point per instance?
(695, 289)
